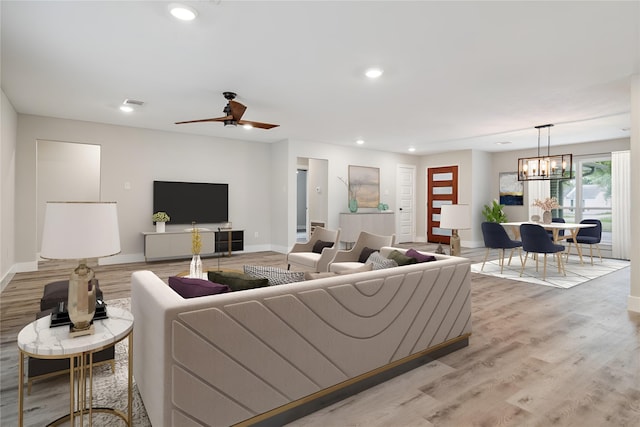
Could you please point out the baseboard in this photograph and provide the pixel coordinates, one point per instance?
(633, 304)
(307, 405)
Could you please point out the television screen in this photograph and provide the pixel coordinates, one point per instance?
(187, 202)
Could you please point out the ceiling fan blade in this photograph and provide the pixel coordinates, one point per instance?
(217, 119)
(237, 109)
(257, 124)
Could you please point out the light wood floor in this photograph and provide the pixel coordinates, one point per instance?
(538, 356)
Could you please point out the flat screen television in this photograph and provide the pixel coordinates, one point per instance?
(187, 202)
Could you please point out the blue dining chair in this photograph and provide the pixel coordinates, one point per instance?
(589, 236)
(536, 240)
(496, 237)
(560, 232)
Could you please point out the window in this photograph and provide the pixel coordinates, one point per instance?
(588, 195)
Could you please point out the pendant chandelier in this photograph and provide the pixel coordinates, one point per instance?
(545, 167)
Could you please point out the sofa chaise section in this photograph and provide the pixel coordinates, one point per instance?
(250, 356)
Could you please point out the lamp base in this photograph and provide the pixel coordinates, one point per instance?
(455, 243)
(81, 302)
(74, 333)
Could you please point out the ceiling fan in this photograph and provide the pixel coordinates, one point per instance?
(234, 111)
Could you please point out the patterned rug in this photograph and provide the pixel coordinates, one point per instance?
(51, 396)
(576, 273)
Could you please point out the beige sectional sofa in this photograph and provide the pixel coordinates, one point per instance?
(269, 355)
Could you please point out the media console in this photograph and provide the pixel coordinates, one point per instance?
(177, 244)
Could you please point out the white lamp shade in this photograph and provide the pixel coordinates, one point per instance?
(77, 230)
(455, 217)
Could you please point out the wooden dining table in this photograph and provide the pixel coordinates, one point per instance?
(555, 227)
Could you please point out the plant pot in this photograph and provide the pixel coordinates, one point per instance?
(546, 217)
(160, 227)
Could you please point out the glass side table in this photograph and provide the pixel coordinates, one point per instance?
(37, 339)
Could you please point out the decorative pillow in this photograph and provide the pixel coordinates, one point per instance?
(363, 267)
(365, 253)
(379, 262)
(190, 288)
(419, 257)
(401, 258)
(275, 276)
(237, 281)
(319, 245)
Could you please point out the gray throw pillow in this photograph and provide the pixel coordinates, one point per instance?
(379, 262)
(275, 276)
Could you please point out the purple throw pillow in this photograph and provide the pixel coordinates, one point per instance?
(418, 256)
(190, 288)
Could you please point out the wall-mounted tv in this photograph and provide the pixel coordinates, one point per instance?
(187, 202)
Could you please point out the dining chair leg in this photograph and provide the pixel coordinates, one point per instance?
(591, 253)
(599, 253)
(524, 263)
(486, 255)
(501, 260)
(561, 268)
(537, 260)
(544, 268)
(511, 255)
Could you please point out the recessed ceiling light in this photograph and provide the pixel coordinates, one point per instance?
(373, 73)
(247, 126)
(182, 12)
(129, 105)
(360, 141)
(412, 149)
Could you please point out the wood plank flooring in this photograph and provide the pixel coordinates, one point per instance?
(538, 356)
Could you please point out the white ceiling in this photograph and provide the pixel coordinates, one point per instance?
(457, 75)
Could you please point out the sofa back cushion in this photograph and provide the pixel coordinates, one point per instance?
(191, 288)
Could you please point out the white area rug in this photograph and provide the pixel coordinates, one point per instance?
(576, 273)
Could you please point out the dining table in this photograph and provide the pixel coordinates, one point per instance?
(555, 227)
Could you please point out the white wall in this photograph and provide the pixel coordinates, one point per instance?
(464, 160)
(137, 157)
(339, 158)
(8, 135)
(508, 162)
(317, 180)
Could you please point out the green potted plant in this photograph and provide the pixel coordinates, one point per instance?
(493, 212)
(160, 218)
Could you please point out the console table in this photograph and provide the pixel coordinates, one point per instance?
(351, 224)
(175, 244)
(38, 339)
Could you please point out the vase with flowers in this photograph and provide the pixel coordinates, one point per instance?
(352, 190)
(547, 205)
(195, 269)
(160, 218)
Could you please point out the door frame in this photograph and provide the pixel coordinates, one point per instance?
(431, 210)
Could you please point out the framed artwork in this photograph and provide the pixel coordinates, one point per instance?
(511, 190)
(364, 186)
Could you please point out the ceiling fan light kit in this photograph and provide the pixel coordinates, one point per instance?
(547, 167)
(233, 115)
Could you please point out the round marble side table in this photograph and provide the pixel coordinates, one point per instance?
(38, 339)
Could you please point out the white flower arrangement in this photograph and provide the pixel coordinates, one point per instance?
(160, 217)
(547, 204)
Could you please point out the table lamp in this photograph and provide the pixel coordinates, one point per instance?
(455, 217)
(80, 230)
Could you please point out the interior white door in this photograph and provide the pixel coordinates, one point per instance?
(406, 201)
